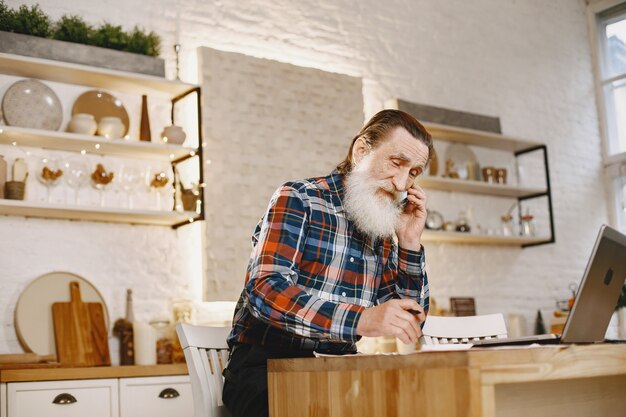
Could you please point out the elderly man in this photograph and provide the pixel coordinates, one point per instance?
(325, 268)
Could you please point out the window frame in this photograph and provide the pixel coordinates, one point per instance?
(612, 162)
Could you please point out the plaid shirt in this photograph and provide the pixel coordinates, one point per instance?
(311, 273)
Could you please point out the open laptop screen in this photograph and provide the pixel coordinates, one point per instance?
(599, 290)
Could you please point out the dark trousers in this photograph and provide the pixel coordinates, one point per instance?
(245, 379)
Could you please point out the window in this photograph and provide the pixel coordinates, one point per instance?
(609, 33)
(612, 31)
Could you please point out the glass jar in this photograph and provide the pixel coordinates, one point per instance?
(507, 225)
(183, 311)
(462, 224)
(164, 340)
(528, 225)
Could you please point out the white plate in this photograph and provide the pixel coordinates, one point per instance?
(33, 313)
(31, 103)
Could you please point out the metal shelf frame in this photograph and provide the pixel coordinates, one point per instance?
(547, 193)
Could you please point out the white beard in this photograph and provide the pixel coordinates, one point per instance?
(374, 214)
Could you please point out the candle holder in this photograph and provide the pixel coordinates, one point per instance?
(177, 51)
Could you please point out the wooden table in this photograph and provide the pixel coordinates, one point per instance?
(546, 381)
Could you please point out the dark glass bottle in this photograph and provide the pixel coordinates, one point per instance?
(123, 329)
(144, 127)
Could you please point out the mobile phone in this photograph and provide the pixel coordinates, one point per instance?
(401, 199)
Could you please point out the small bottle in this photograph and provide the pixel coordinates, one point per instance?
(528, 226)
(144, 126)
(507, 225)
(123, 329)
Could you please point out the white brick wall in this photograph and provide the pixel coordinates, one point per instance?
(265, 123)
(527, 62)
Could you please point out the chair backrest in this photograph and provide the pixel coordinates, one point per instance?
(441, 330)
(206, 354)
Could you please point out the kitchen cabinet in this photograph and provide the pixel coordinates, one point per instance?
(156, 397)
(117, 81)
(94, 398)
(494, 141)
(97, 392)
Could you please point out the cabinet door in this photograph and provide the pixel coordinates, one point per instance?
(167, 396)
(93, 398)
(3, 400)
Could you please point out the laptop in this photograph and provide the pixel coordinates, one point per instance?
(599, 290)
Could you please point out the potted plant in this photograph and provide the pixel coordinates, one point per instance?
(72, 28)
(31, 32)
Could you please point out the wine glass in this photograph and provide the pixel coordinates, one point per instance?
(130, 179)
(77, 170)
(159, 181)
(48, 173)
(101, 178)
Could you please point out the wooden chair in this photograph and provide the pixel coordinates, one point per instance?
(443, 330)
(206, 353)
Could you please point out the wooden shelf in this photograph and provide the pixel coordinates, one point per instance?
(69, 73)
(472, 136)
(489, 140)
(477, 187)
(479, 138)
(91, 144)
(457, 237)
(89, 213)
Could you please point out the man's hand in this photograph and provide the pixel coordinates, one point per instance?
(393, 318)
(412, 219)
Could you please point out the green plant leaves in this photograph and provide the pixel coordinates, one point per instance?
(31, 21)
(72, 28)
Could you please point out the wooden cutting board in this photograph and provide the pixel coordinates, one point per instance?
(80, 332)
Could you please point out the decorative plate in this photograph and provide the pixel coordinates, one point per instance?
(33, 312)
(30, 103)
(463, 160)
(101, 104)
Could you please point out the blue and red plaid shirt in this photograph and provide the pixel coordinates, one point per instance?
(312, 273)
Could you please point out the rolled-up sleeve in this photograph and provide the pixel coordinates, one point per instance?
(405, 277)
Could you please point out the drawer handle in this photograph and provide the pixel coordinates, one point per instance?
(64, 398)
(168, 393)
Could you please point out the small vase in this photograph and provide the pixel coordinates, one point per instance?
(174, 135)
(83, 123)
(144, 127)
(111, 127)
